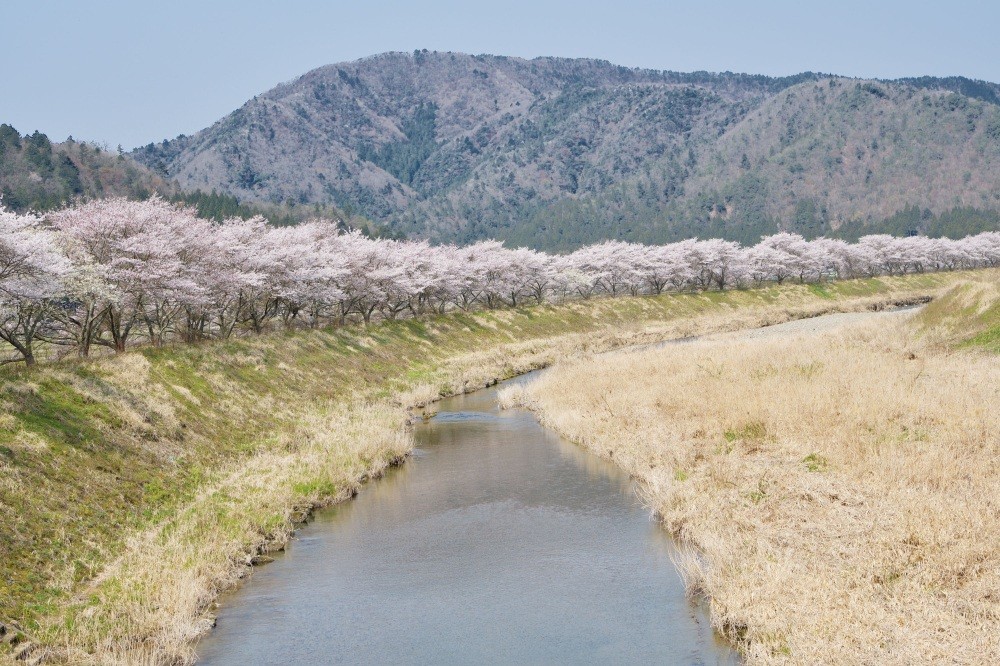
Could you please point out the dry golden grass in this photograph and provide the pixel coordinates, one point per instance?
(837, 493)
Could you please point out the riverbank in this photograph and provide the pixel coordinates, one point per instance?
(834, 486)
(136, 488)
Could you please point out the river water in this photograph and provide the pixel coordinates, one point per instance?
(498, 542)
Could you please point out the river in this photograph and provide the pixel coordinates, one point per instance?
(497, 542)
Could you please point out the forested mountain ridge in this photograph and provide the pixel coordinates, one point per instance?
(39, 175)
(555, 152)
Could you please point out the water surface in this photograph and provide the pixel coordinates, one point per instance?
(498, 542)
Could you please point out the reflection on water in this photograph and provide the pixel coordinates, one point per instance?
(497, 543)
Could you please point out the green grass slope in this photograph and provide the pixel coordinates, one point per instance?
(967, 316)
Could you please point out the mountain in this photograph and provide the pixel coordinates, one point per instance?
(38, 175)
(557, 152)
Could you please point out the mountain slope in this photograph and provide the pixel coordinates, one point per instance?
(860, 149)
(555, 152)
(36, 174)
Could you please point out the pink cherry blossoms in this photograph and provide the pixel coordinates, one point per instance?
(113, 273)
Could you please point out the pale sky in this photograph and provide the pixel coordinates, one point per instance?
(131, 72)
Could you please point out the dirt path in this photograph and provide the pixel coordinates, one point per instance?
(812, 325)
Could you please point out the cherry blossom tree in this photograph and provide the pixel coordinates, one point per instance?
(304, 270)
(113, 271)
(32, 274)
(785, 255)
(721, 263)
(140, 260)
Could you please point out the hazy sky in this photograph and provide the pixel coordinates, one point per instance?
(131, 72)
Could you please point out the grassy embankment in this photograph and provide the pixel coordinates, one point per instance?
(836, 494)
(134, 489)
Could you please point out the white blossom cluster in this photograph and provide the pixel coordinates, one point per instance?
(115, 272)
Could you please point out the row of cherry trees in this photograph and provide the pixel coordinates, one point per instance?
(116, 272)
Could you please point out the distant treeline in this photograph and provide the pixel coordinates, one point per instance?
(558, 226)
(913, 221)
(809, 222)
